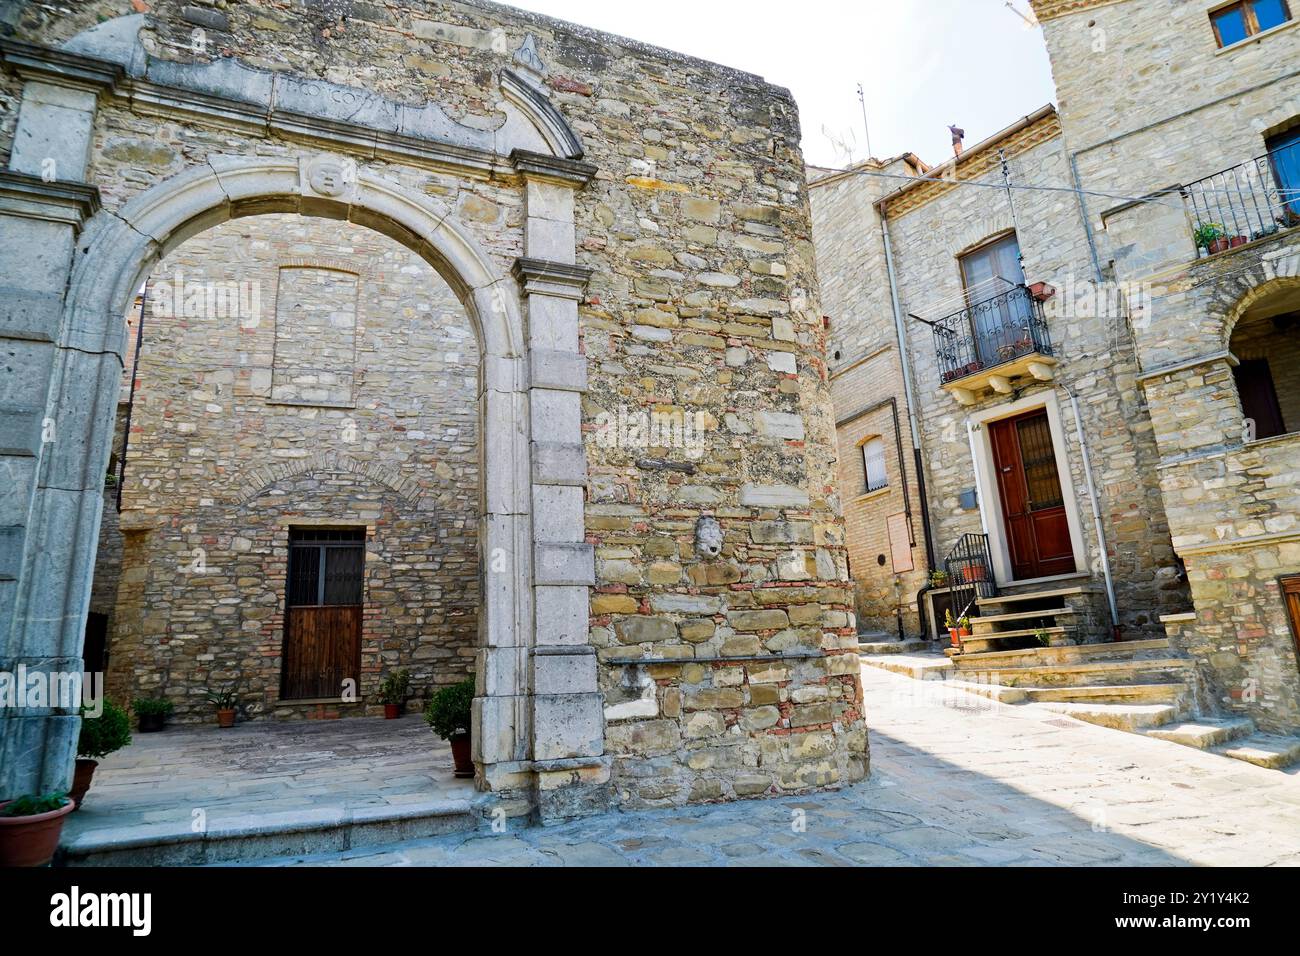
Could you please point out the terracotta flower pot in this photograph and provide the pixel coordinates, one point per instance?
(1042, 291)
(151, 723)
(31, 841)
(963, 632)
(226, 718)
(392, 711)
(1219, 245)
(953, 634)
(460, 753)
(1236, 241)
(974, 574)
(81, 780)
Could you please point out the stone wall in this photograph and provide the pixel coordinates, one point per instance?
(241, 430)
(931, 225)
(703, 300)
(1149, 102)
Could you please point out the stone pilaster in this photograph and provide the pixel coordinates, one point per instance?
(49, 408)
(567, 708)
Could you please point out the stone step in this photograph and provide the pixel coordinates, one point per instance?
(1263, 750)
(1055, 612)
(915, 666)
(1109, 694)
(1084, 673)
(265, 835)
(1122, 650)
(894, 646)
(1017, 598)
(1205, 733)
(1130, 717)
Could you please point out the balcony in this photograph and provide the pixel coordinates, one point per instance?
(992, 343)
(1252, 201)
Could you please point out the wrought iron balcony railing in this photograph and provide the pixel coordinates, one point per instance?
(1251, 201)
(990, 333)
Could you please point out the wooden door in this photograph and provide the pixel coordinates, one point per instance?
(322, 631)
(1291, 595)
(1259, 397)
(1029, 487)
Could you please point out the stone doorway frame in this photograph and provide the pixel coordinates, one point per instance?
(538, 715)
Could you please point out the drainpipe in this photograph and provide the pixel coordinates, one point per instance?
(1096, 511)
(909, 392)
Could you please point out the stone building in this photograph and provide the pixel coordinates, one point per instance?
(299, 380)
(664, 613)
(1072, 361)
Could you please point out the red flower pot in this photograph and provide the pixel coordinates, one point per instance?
(226, 718)
(953, 634)
(31, 841)
(460, 753)
(81, 780)
(1042, 291)
(392, 711)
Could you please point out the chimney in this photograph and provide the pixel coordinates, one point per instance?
(958, 136)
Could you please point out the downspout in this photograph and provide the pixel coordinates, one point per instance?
(909, 391)
(909, 395)
(1096, 511)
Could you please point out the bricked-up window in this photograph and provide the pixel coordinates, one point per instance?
(1240, 21)
(315, 337)
(873, 463)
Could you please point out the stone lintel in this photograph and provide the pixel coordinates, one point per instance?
(542, 277)
(61, 68)
(552, 169)
(33, 198)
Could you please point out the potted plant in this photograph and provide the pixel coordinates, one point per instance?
(1211, 236)
(100, 736)
(30, 827)
(974, 573)
(1041, 291)
(448, 714)
(392, 692)
(938, 579)
(1043, 637)
(226, 701)
(963, 627)
(951, 624)
(151, 713)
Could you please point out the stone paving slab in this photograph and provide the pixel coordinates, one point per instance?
(364, 777)
(1002, 786)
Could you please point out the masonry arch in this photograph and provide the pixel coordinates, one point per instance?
(1262, 334)
(116, 251)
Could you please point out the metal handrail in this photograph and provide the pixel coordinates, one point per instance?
(969, 567)
(1249, 201)
(990, 333)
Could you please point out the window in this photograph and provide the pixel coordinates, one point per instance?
(873, 462)
(1284, 160)
(1237, 22)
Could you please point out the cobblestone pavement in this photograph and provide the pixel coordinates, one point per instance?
(955, 781)
(264, 767)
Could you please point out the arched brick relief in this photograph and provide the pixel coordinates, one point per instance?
(1259, 285)
(979, 232)
(256, 483)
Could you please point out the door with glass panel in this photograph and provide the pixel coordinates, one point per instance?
(999, 312)
(322, 632)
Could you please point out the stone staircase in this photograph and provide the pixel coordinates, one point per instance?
(1016, 619)
(1135, 686)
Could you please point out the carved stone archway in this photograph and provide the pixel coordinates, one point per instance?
(538, 715)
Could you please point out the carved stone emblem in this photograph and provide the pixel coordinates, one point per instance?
(708, 538)
(332, 176)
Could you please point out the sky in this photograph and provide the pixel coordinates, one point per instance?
(922, 63)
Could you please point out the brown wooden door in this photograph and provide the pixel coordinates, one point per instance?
(1291, 595)
(322, 631)
(1029, 487)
